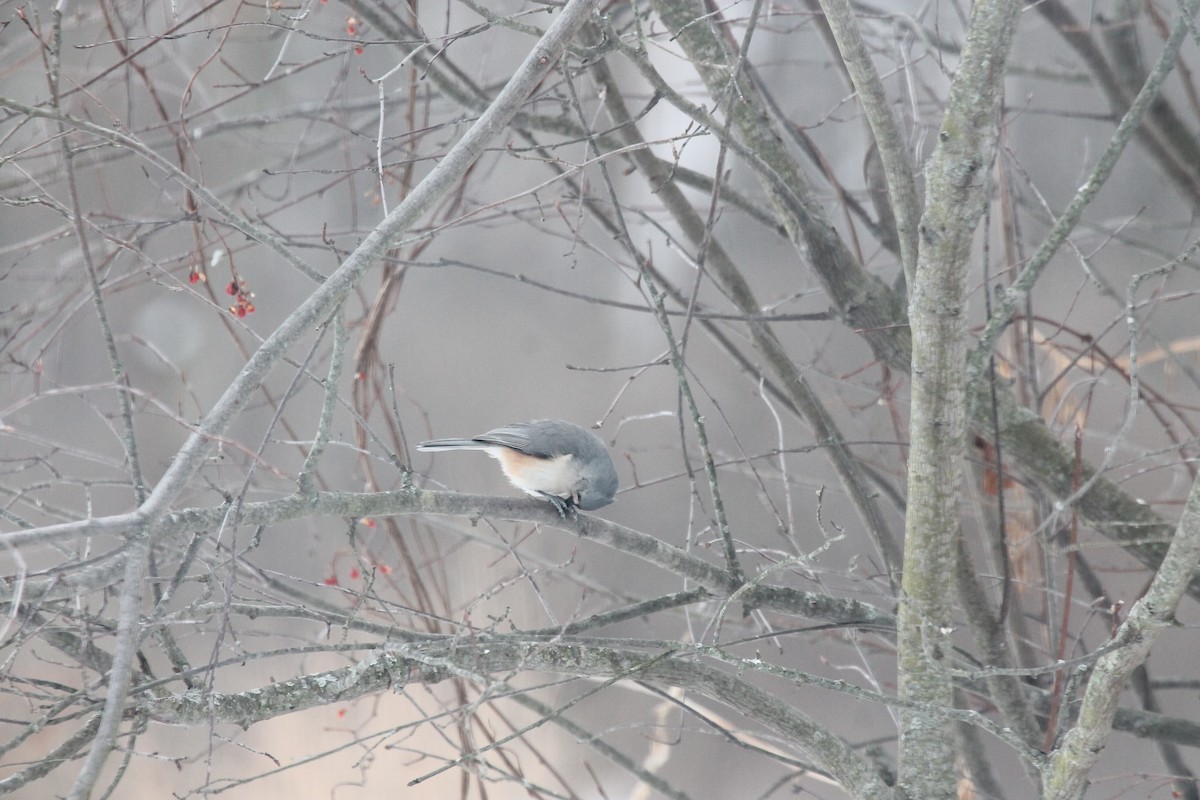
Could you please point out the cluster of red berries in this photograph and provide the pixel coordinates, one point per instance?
(352, 31)
(355, 573)
(236, 288)
(244, 304)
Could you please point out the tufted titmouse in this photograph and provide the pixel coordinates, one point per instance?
(548, 458)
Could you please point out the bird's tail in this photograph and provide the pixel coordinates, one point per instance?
(453, 444)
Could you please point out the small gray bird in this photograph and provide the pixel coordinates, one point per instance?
(547, 458)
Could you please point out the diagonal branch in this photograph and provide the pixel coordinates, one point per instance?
(441, 179)
(897, 169)
(1067, 775)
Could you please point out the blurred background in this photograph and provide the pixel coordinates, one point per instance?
(516, 299)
